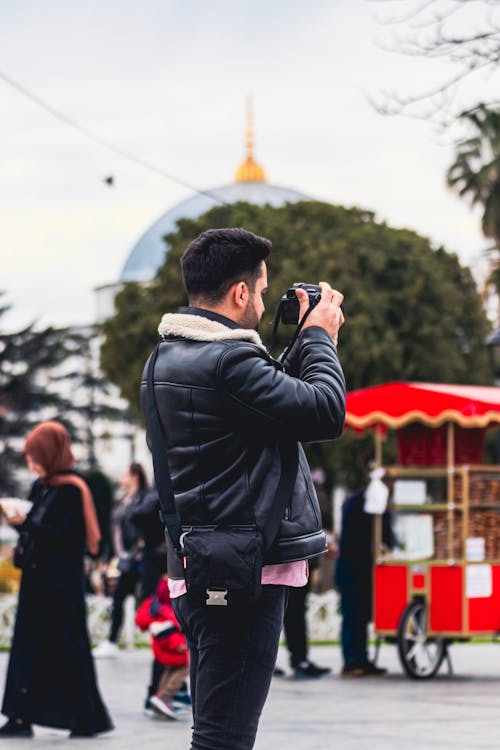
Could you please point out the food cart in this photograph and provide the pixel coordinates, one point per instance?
(441, 582)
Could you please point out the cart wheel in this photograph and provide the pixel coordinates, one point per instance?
(420, 655)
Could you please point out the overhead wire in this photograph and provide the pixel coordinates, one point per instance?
(104, 142)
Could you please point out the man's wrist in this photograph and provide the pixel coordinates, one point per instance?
(314, 330)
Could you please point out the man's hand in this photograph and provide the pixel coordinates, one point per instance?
(327, 313)
(16, 518)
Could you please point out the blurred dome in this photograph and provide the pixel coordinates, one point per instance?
(148, 253)
(250, 186)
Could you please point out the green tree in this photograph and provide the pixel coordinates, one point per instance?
(26, 357)
(130, 336)
(49, 374)
(412, 312)
(91, 402)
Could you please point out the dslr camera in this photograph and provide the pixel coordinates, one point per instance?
(289, 308)
(289, 303)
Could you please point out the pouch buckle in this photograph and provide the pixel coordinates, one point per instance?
(216, 597)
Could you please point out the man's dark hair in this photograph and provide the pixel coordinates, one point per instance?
(136, 470)
(218, 258)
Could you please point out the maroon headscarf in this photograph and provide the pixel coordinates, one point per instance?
(49, 446)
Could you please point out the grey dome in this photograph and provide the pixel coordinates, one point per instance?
(148, 253)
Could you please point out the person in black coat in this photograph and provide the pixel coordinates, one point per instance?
(233, 420)
(50, 678)
(127, 544)
(353, 577)
(145, 514)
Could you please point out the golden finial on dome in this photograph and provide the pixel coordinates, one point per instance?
(249, 170)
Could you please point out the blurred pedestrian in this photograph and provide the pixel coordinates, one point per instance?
(169, 650)
(102, 492)
(295, 620)
(296, 637)
(353, 577)
(50, 678)
(145, 515)
(126, 540)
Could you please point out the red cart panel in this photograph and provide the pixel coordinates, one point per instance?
(391, 595)
(484, 612)
(446, 599)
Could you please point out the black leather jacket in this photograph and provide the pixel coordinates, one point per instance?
(225, 405)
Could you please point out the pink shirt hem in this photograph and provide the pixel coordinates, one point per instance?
(286, 574)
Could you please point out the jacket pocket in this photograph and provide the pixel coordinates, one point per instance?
(307, 492)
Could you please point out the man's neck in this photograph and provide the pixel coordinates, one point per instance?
(212, 313)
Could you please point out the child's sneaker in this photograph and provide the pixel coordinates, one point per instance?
(164, 704)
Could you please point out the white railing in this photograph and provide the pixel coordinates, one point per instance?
(323, 619)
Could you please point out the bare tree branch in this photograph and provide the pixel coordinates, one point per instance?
(431, 30)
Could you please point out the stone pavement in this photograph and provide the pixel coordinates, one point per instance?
(461, 712)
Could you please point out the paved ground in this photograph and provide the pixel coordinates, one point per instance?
(393, 713)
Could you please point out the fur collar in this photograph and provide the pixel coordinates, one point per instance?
(198, 328)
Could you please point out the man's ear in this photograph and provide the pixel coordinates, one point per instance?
(239, 294)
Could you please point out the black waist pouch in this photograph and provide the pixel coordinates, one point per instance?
(222, 563)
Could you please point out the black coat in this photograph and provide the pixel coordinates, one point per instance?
(227, 407)
(51, 678)
(354, 569)
(356, 536)
(145, 514)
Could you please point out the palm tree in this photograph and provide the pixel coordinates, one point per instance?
(475, 174)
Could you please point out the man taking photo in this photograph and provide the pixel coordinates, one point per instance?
(226, 410)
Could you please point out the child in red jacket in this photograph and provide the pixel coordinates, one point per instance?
(169, 648)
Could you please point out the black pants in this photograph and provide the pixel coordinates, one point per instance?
(355, 603)
(157, 670)
(233, 654)
(295, 624)
(126, 586)
(152, 569)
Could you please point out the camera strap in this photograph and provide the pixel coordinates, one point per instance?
(289, 467)
(295, 335)
(277, 319)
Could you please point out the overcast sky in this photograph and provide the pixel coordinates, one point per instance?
(168, 80)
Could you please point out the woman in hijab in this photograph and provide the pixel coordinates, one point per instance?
(51, 678)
